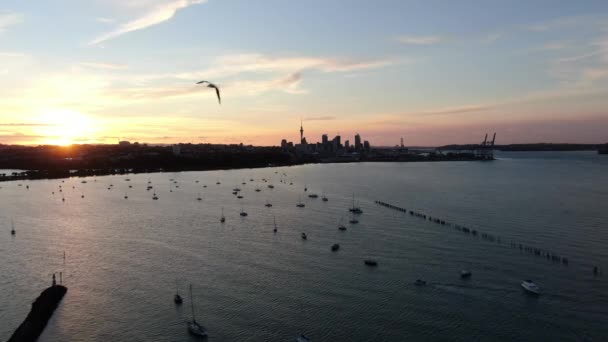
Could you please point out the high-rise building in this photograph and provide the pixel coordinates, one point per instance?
(366, 146)
(301, 132)
(324, 139)
(358, 145)
(347, 145)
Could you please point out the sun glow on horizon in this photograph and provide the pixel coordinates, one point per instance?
(65, 127)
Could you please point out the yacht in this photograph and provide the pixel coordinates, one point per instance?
(340, 225)
(300, 204)
(313, 196)
(274, 220)
(420, 282)
(12, 228)
(239, 196)
(370, 262)
(529, 286)
(465, 274)
(154, 197)
(354, 209)
(304, 237)
(199, 198)
(335, 247)
(353, 220)
(268, 204)
(324, 198)
(223, 218)
(270, 186)
(193, 326)
(243, 213)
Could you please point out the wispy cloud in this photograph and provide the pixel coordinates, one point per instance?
(566, 23)
(25, 124)
(320, 118)
(419, 40)
(230, 65)
(156, 16)
(8, 19)
(107, 66)
(13, 54)
(104, 20)
(459, 110)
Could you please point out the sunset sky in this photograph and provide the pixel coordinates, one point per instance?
(433, 72)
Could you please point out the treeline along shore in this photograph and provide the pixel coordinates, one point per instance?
(52, 162)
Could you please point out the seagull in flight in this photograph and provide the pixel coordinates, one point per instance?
(211, 85)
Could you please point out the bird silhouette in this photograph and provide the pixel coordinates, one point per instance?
(217, 90)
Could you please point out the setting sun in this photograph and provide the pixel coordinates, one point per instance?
(65, 127)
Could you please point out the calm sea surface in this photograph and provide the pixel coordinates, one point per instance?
(123, 256)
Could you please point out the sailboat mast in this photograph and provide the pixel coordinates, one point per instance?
(192, 304)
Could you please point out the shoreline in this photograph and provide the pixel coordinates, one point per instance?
(83, 173)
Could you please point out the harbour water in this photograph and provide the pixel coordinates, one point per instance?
(123, 256)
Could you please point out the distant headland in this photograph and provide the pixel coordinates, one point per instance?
(49, 162)
(531, 147)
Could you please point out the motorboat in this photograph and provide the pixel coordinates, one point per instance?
(313, 196)
(530, 287)
(420, 282)
(304, 237)
(465, 274)
(303, 338)
(335, 247)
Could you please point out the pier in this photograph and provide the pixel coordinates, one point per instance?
(42, 310)
(539, 252)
